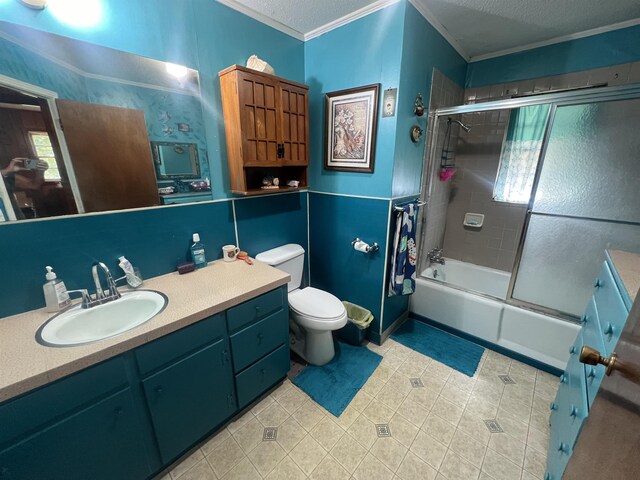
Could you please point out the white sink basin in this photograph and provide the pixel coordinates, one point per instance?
(78, 326)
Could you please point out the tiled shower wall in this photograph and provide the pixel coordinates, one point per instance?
(444, 93)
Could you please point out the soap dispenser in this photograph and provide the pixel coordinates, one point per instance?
(55, 292)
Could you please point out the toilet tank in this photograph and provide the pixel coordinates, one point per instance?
(289, 258)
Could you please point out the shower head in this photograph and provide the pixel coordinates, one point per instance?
(464, 127)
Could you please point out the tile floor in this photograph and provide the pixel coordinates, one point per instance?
(415, 418)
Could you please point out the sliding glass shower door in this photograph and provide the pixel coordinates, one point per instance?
(587, 199)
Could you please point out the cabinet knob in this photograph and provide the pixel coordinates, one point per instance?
(553, 406)
(572, 350)
(263, 371)
(547, 476)
(608, 329)
(592, 372)
(563, 447)
(258, 310)
(564, 378)
(260, 338)
(598, 283)
(574, 411)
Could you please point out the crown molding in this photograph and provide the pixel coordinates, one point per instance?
(561, 39)
(249, 12)
(426, 13)
(350, 17)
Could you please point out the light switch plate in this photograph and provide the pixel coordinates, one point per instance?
(389, 102)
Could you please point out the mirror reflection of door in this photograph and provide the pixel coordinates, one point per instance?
(36, 184)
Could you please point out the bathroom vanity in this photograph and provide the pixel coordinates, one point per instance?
(603, 322)
(129, 406)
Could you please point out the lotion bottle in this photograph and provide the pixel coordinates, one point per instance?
(55, 292)
(197, 252)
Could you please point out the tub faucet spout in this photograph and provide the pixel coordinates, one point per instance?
(435, 256)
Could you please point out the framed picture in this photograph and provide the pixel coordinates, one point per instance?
(350, 129)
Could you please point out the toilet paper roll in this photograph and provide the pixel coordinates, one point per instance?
(361, 247)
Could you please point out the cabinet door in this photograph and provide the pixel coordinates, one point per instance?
(190, 398)
(258, 119)
(294, 125)
(103, 441)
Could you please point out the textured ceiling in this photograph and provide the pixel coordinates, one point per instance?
(476, 27)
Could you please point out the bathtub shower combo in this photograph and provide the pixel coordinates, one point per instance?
(541, 186)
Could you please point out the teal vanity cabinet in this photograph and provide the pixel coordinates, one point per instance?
(602, 323)
(131, 416)
(82, 427)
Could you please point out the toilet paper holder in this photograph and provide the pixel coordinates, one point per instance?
(364, 247)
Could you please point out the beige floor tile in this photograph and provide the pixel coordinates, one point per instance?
(400, 382)
(423, 396)
(361, 400)
(378, 412)
(412, 368)
(327, 432)
(439, 429)
(473, 425)
(281, 390)
(546, 391)
(447, 410)
(240, 422)
(485, 476)
(225, 457)
(266, 456)
(348, 452)
(200, 471)
(538, 440)
(439, 370)
(540, 420)
(522, 395)
(481, 408)
(389, 451)
(454, 395)
(264, 403)
(527, 476)
(403, 430)
(488, 391)
(413, 468)
(373, 386)
(468, 448)
(364, 431)
(400, 351)
(428, 449)
(249, 435)
(382, 373)
(329, 469)
(413, 411)
(290, 433)
(347, 417)
(308, 454)
(517, 409)
(308, 415)
(372, 469)
(541, 404)
(390, 396)
(455, 467)
(392, 361)
(508, 447)
(187, 464)
(432, 383)
(512, 426)
(519, 368)
(273, 415)
(499, 467)
(215, 441)
(462, 381)
(535, 463)
(291, 400)
(286, 470)
(244, 470)
(379, 349)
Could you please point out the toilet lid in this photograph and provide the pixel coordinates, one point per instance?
(316, 303)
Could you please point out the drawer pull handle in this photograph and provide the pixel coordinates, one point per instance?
(572, 350)
(584, 319)
(598, 283)
(563, 447)
(263, 371)
(258, 310)
(553, 406)
(564, 378)
(260, 338)
(159, 389)
(574, 411)
(592, 373)
(608, 329)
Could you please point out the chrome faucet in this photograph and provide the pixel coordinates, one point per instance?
(435, 256)
(101, 296)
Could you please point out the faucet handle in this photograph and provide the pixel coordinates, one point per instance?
(86, 298)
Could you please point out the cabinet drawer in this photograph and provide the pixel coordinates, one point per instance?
(177, 344)
(38, 408)
(101, 442)
(258, 339)
(256, 379)
(190, 398)
(611, 309)
(255, 309)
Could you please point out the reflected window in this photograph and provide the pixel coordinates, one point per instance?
(520, 154)
(43, 149)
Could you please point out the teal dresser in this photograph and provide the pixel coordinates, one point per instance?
(132, 416)
(602, 324)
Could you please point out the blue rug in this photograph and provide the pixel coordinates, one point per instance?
(335, 384)
(455, 352)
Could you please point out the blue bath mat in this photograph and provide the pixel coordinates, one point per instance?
(335, 384)
(455, 352)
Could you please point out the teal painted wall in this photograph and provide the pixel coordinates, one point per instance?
(362, 52)
(605, 49)
(423, 49)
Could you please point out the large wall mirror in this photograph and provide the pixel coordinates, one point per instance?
(78, 123)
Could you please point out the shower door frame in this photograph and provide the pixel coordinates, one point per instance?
(577, 96)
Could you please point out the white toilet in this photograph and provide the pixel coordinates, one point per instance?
(313, 313)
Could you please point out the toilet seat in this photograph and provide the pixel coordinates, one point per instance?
(316, 304)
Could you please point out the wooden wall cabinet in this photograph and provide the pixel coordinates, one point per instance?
(266, 120)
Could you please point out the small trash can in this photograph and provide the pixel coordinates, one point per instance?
(355, 331)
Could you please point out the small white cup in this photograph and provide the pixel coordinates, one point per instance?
(229, 253)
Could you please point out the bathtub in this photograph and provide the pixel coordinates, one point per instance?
(541, 337)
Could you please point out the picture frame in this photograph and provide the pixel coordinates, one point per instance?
(351, 121)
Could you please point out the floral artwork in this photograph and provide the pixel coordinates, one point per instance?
(350, 129)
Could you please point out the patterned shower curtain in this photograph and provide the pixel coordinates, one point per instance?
(402, 280)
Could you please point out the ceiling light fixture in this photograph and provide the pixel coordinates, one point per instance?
(35, 4)
(178, 71)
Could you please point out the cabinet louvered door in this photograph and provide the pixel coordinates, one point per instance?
(294, 133)
(259, 119)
